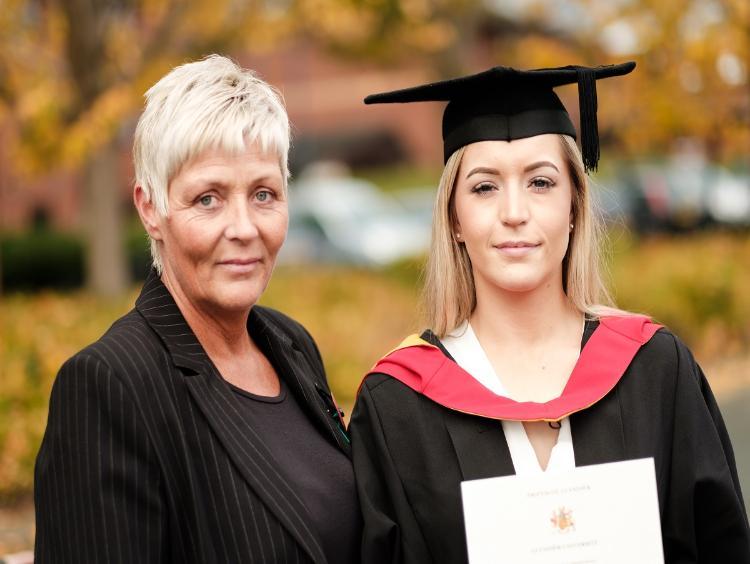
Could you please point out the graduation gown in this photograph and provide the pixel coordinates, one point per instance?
(411, 453)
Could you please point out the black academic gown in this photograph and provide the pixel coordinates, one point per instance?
(411, 454)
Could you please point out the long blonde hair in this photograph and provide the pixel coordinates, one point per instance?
(449, 294)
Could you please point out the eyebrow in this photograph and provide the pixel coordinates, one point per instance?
(540, 164)
(529, 168)
(482, 170)
(212, 182)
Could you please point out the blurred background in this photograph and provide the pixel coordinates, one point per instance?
(673, 183)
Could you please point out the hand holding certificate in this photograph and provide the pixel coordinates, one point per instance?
(592, 514)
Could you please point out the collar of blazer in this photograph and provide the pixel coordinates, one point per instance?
(157, 306)
(222, 409)
(303, 373)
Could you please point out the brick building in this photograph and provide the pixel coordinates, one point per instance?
(324, 100)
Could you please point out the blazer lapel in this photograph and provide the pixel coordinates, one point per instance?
(479, 442)
(480, 446)
(222, 410)
(598, 432)
(301, 377)
(253, 459)
(482, 451)
(160, 311)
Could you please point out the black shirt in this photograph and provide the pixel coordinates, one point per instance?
(318, 471)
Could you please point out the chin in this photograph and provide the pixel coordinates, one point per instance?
(239, 296)
(519, 287)
(516, 280)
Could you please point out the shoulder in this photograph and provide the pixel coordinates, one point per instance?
(98, 369)
(122, 331)
(128, 339)
(410, 421)
(129, 347)
(666, 345)
(391, 397)
(655, 340)
(375, 380)
(404, 368)
(385, 392)
(666, 360)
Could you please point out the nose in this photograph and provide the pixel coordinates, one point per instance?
(514, 209)
(241, 224)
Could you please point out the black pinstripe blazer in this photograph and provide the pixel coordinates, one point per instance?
(147, 456)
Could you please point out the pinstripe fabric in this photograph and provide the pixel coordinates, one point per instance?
(147, 458)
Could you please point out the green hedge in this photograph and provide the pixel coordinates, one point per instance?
(44, 259)
(41, 259)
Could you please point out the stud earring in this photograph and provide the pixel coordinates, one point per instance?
(571, 227)
(458, 236)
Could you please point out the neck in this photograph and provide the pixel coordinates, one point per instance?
(523, 317)
(221, 334)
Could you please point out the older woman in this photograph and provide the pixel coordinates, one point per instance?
(524, 370)
(200, 427)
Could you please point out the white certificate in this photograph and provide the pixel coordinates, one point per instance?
(592, 514)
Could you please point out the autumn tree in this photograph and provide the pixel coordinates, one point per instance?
(72, 73)
(692, 75)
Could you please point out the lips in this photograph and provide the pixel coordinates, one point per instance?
(240, 262)
(240, 265)
(516, 245)
(517, 248)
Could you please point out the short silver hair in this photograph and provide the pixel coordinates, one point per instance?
(208, 104)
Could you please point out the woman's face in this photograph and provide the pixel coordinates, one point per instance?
(227, 220)
(513, 211)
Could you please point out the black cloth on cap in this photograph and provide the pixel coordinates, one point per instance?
(504, 103)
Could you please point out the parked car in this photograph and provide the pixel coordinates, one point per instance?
(348, 220)
(676, 196)
(418, 201)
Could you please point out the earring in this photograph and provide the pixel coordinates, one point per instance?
(458, 236)
(571, 227)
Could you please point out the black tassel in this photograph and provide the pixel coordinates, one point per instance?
(589, 128)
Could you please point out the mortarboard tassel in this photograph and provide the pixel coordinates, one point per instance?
(589, 128)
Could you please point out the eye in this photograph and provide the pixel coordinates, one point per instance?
(483, 188)
(207, 200)
(541, 184)
(264, 195)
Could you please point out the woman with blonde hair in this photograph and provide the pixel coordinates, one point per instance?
(527, 367)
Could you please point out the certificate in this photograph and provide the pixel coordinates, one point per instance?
(605, 513)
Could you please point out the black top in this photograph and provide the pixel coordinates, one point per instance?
(320, 473)
(411, 454)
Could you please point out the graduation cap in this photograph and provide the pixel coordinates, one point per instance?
(504, 103)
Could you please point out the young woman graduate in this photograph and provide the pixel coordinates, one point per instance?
(525, 369)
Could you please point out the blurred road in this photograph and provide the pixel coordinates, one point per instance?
(736, 411)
